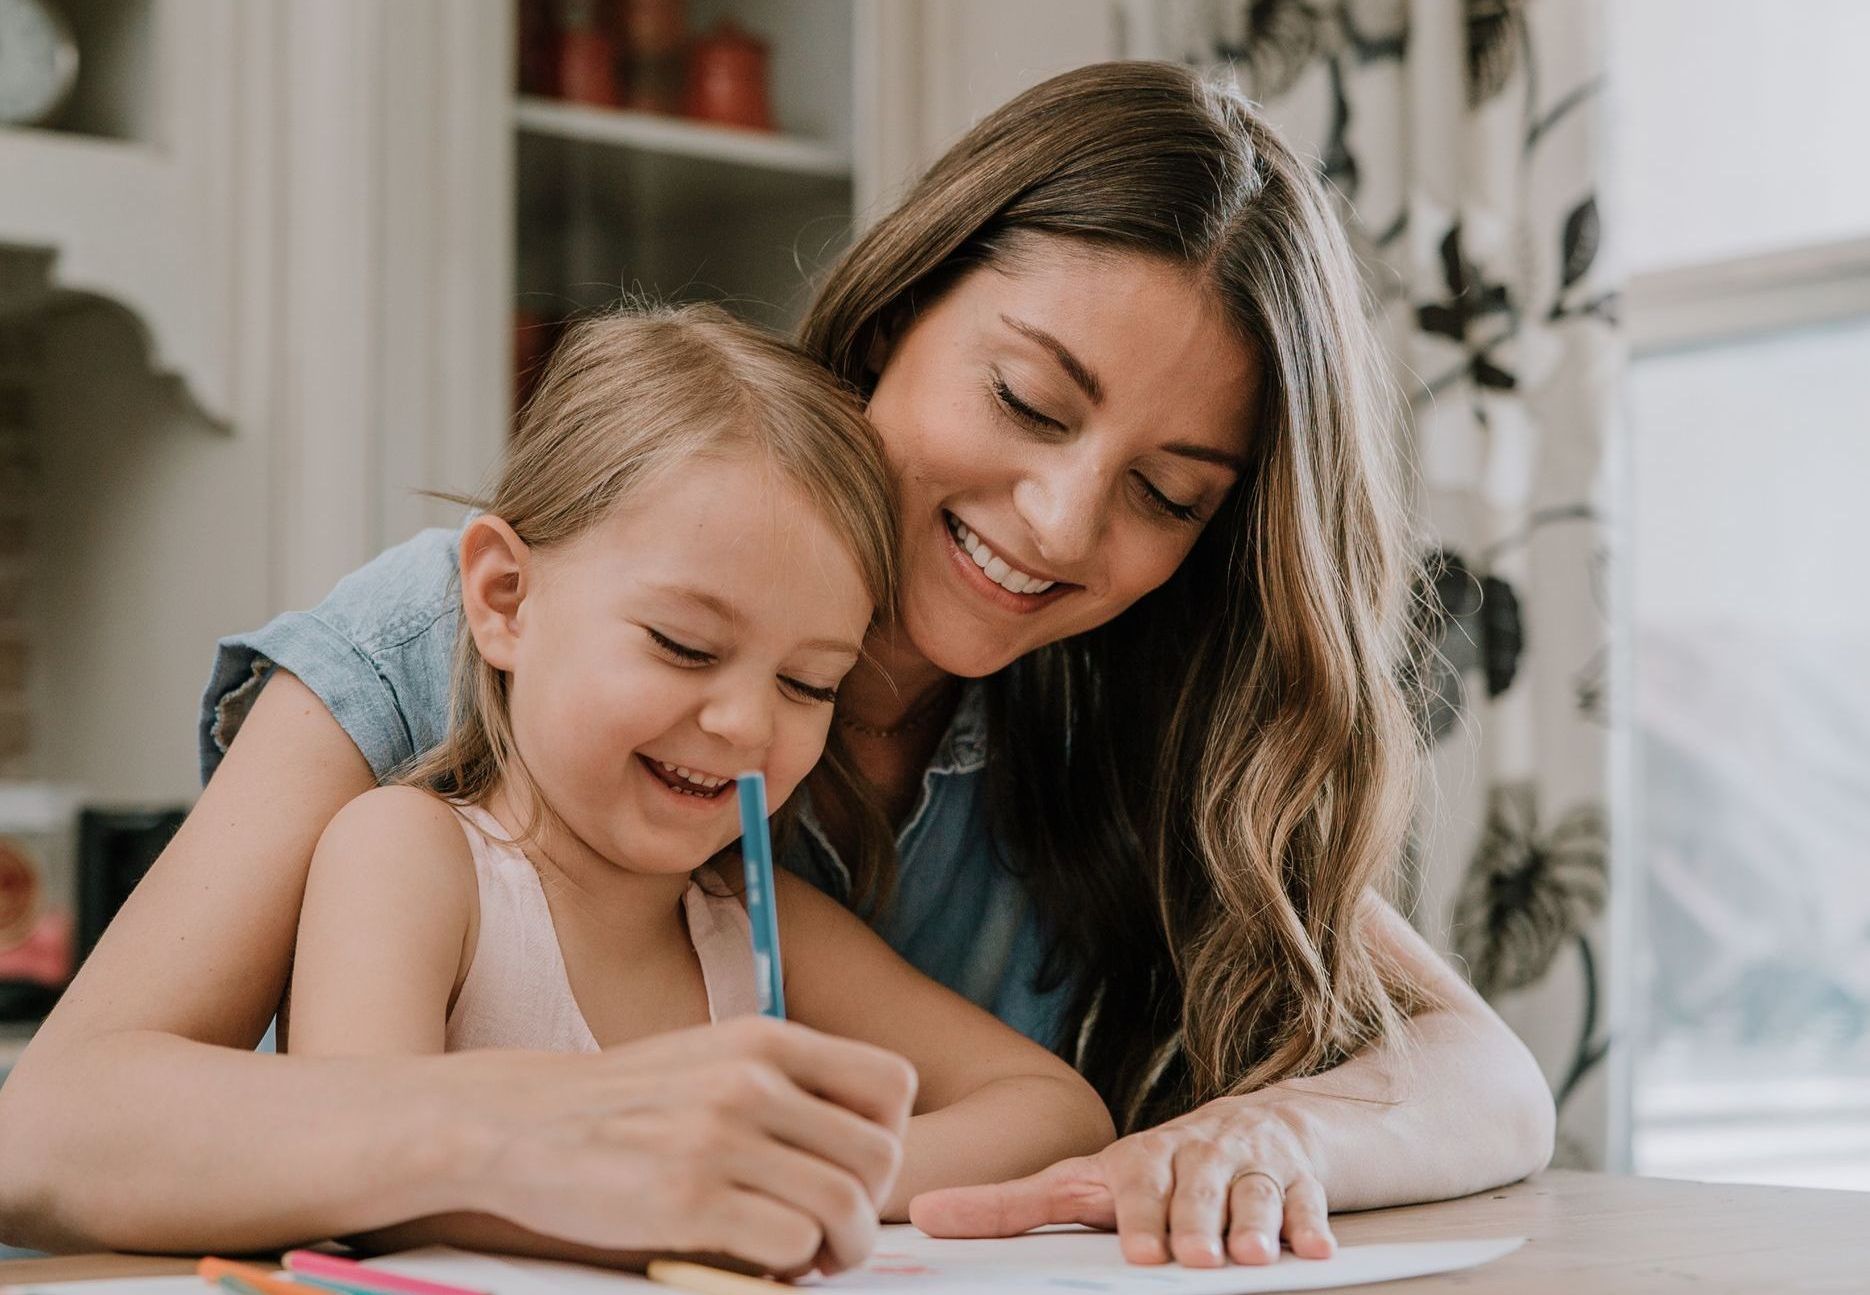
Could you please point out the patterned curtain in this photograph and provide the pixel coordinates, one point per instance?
(1466, 142)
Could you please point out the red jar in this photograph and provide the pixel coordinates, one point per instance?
(652, 34)
(727, 79)
(587, 58)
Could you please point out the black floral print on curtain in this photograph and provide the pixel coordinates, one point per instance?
(1464, 142)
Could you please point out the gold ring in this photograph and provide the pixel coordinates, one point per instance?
(1259, 1173)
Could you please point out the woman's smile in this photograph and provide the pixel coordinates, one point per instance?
(982, 569)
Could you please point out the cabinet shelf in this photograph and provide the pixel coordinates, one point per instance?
(672, 136)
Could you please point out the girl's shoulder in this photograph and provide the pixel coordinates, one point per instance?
(413, 835)
(404, 809)
(391, 897)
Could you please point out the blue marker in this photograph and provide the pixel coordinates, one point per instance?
(756, 856)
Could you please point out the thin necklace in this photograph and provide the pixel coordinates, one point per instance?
(909, 723)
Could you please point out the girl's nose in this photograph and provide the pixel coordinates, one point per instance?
(740, 713)
(1065, 507)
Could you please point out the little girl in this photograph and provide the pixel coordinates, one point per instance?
(675, 570)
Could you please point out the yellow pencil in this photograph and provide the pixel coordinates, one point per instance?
(704, 1280)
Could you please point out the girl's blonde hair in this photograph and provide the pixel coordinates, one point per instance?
(1202, 791)
(627, 396)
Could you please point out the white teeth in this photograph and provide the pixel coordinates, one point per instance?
(706, 782)
(997, 569)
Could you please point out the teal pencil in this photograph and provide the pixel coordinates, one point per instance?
(756, 854)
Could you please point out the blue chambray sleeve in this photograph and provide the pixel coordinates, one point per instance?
(377, 651)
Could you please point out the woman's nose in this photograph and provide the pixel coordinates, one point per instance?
(1065, 508)
(740, 713)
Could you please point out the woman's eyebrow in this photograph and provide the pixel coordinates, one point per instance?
(1088, 383)
(1207, 454)
(1075, 368)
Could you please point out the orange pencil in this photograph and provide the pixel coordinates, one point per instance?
(267, 1283)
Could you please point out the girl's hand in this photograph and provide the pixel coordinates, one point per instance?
(756, 1139)
(1232, 1174)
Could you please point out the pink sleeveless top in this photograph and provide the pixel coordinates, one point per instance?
(516, 993)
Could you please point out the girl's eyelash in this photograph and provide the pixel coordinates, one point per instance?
(681, 651)
(809, 693)
(1166, 505)
(1024, 412)
(695, 656)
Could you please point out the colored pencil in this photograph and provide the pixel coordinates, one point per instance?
(218, 1271)
(756, 853)
(334, 1272)
(234, 1286)
(704, 1280)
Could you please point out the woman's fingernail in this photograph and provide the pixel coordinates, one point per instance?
(1269, 1245)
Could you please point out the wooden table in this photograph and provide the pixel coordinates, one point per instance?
(1588, 1233)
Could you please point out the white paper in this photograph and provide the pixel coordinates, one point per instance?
(182, 1285)
(1069, 1261)
(1052, 1262)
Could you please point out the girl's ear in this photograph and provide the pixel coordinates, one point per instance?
(495, 574)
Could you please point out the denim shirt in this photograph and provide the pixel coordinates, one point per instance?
(378, 650)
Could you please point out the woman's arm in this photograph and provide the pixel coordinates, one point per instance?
(990, 1103)
(139, 1120)
(1453, 1104)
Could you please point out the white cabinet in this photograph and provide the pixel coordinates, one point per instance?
(268, 277)
(275, 262)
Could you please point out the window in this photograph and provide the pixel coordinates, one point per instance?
(1747, 224)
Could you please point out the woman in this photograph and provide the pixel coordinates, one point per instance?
(1138, 735)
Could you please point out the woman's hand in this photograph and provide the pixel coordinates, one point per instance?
(1234, 1174)
(756, 1139)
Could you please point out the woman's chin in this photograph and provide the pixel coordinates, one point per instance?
(954, 654)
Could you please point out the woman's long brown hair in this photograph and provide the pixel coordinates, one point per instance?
(1201, 792)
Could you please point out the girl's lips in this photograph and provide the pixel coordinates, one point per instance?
(975, 579)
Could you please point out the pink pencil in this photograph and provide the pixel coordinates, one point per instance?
(349, 1275)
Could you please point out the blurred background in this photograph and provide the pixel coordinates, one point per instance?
(269, 267)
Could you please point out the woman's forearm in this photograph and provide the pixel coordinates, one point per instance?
(1003, 1129)
(280, 1150)
(1453, 1104)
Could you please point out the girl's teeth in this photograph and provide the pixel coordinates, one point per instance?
(705, 781)
(997, 569)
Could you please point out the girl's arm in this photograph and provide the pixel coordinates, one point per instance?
(991, 1103)
(140, 1119)
(1453, 1104)
(385, 938)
